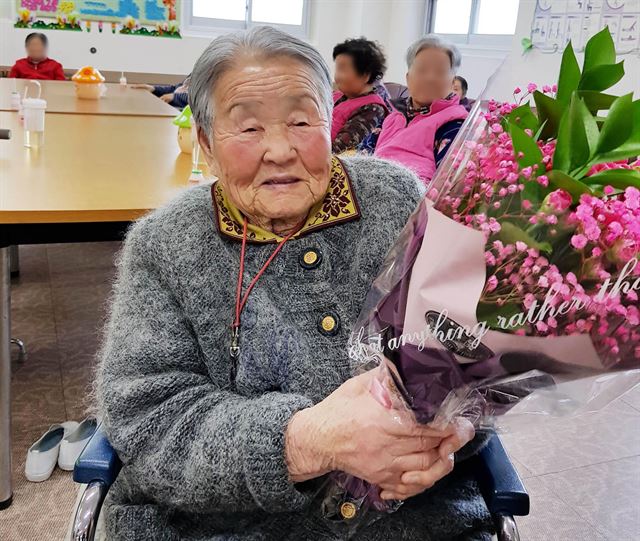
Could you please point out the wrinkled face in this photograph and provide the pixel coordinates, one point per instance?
(430, 77)
(347, 79)
(36, 50)
(457, 88)
(270, 145)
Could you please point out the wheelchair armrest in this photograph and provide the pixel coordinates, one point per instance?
(98, 461)
(499, 481)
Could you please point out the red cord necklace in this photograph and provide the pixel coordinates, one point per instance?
(234, 349)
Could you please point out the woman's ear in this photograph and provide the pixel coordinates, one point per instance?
(207, 149)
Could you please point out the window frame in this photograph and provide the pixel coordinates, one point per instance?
(208, 27)
(471, 38)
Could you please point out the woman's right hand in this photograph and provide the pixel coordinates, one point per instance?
(352, 432)
(143, 87)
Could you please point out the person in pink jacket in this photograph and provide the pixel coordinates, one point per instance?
(361, 102)
(419, 132)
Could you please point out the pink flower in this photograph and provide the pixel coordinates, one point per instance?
(521, 246)
(517, 90)
(492, 283)
(526, 204)
(532, 87)
(559, 200)
(543, 180)
(554, 88)
(546, 89)
(578, 241)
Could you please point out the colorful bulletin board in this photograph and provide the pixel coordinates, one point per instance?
(133, 15)
(555, 22)
(148, 12)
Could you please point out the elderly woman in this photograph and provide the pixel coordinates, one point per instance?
(361, 102)
(224, 383)
(418, 135)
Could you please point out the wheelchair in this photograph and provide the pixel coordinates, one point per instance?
(500, 485)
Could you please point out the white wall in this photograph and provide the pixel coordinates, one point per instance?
(542, 68)
(394, 23)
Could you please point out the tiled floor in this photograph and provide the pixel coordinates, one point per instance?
(583, 475)
(57, 309)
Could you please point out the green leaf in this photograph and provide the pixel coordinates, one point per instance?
(572, 149)
(559, 179)
(511, 233)
(490, 312)
(527, 44)
(531, 153)
(596, 101)
(599, 50)
(601, 77)
(590, 127)
(631, 147)
(523, 116)
(618, 178)
(549, 114)
(617, 127)
(569, 77)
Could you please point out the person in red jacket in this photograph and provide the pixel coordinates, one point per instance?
(37, 65)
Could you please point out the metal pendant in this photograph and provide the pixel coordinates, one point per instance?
(234, 349)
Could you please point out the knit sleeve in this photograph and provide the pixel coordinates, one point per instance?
(184, 442)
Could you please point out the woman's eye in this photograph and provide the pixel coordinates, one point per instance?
(302, 123)
(249, 130)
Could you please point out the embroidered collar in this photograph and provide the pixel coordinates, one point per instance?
(338, 206)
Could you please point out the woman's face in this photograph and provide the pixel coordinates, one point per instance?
(430, 77)
(36, 50)
(270, 144)
(457, 88)
(347, 79)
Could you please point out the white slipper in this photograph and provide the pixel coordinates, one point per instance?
(74, 442)
(43, 454)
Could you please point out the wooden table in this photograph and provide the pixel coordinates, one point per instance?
(93, 176)
(61, 98)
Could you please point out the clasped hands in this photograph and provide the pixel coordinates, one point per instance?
(351, 431)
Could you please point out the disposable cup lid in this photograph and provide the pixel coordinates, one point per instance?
(34, 103)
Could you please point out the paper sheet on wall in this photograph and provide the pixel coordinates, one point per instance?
(555, 22)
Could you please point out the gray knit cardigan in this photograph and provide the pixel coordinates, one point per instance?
(204, 459)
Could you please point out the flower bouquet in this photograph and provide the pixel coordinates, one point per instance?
(513, 289)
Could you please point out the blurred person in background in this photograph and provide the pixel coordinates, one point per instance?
(418, 134)
(37, 65)
(361, 102)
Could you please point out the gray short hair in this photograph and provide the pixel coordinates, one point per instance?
(266, 41)
(432, 41)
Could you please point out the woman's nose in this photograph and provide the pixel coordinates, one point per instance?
(278, 147)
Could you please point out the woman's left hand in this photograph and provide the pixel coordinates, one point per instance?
(167, 98)
(459, 433)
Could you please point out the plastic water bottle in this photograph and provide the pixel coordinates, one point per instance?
(123, 79)
(33, 112)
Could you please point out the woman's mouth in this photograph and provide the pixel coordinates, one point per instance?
(280, 181)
